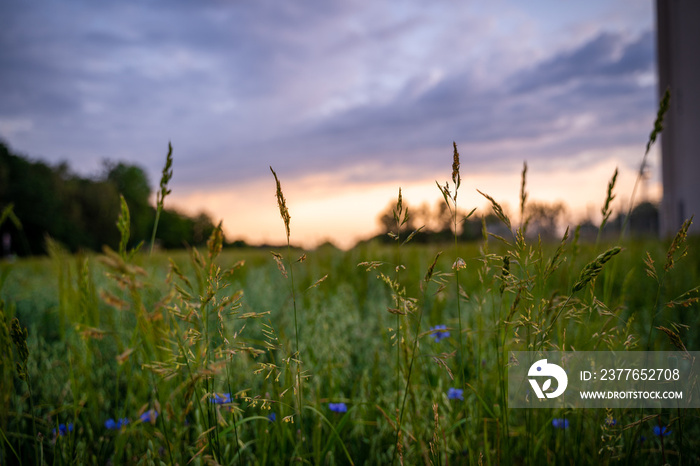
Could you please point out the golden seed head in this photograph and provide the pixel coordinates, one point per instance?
(282, 203)
(455, 168)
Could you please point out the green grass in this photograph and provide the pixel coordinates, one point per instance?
(173, 362)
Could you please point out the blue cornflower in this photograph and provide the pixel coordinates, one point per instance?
(455, 394)
(221, 399)
(662, 431)
(440, 332)
(149, 416)
(63, 429)
(111, 424)
(272, 417)
(559, 423)
(338, 407)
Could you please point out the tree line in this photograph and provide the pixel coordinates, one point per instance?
(80, 212)
(544, 220)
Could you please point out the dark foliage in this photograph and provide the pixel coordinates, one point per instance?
(81, 213)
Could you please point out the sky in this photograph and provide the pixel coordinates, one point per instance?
(347, 101)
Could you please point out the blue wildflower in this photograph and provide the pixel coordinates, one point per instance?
(611, 422)
(149, 416)
(111, 424)
(221, 399)
(455, 394)
(440, 332)
(272, 417)
(559, 423)
(662, 431)
(338, 407)
(63, 429)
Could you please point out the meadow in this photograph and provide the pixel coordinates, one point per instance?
(383, 354)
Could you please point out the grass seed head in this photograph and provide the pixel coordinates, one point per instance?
(678, 244)
(215, 242)
(166, 176)
(505, 272)
(497, 209)
(664, 105)
(398, 210)
(674, 338)
(606, 211)
(523, 192)
(593, 269)
(280, 264)
(282, 204)
(18, 335)
(123, 224)
(19, 338)
(5, 341)
(431, 269)
(445, 190)
(456, 179)
(649, 266)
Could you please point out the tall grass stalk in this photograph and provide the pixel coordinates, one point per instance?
(401, 218)
(403, 307)
(398, 210)
(284, 213)
(664, 105)
(164, 191)
(606, 210)
(451, 202)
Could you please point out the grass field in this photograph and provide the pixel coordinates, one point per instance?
(245, 357)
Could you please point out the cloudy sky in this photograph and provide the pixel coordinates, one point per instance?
(347, 101)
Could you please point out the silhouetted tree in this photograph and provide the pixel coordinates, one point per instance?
(80, 212)
(544, 219)
(132, 182)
